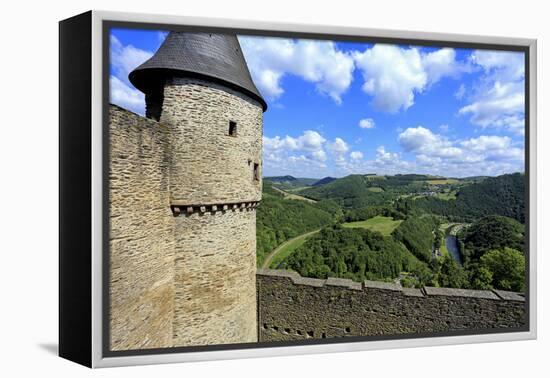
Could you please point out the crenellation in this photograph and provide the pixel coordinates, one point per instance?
(382, 285)
(447, 291)
(335, 308)
(412, 292)
(510, 295)
(344, 282)
(177, 209)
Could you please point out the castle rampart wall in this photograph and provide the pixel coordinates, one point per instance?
(141, 234)
(291, 307)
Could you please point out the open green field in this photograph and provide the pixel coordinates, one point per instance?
(298, 189)
(375, 189)
(376, 177)
(442, 181)
(384, 225)
(292, 196)
(443, 249)
(447, 196)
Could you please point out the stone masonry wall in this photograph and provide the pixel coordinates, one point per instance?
(209, 165)
(215, 283)
(291, 307)
(141, 236)
(183, 270)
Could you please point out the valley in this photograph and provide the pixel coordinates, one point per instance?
(418, 230)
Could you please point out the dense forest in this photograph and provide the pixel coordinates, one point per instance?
(359, 191)
(279, 219)
(358, 254)
(493, 252)
(502, 195)
(396, 227)
(418, 235)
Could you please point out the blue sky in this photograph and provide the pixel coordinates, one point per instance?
(338, 108)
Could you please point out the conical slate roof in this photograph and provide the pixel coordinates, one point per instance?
(216, 57)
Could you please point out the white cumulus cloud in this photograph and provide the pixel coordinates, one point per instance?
(339, 148)
(320, 62)
(310, 145)
(486, 154)
(499, 98)
(125, 96)
(394, 75)
(501, 64)
(356, 155)
(366, 123)
(123, 59)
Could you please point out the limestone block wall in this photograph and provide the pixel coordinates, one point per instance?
(182, 279)
(215, 286)
(209, 165)
(141, 236)
(291, 307)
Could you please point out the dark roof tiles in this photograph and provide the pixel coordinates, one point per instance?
(216, 57)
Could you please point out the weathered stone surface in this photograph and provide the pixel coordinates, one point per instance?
(209, 165)
(382, 285)
(183, 194)
(510, 295)
(290, 309)
(215, 283)
(141, 233)
(460, 292)
(343, 282)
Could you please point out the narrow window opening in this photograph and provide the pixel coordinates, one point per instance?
(310, 333)
(324, 335)
(256, 172)
(232, 128)
(348, 329)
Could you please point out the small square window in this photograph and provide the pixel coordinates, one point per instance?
(232, 128)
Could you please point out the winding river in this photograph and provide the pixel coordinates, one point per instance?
(451, 243)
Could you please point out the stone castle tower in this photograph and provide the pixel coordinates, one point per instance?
(198, 87)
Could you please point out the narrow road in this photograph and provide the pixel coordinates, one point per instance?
(293, 196)
(274, 253)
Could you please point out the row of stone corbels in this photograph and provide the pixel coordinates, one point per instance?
(189, 209)
(412, 292)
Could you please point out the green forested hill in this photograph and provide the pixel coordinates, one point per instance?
(289, 181)
(417, 234)
(492, 248)
(323, 181)
(280, 219)
(492, 232)
(359, 191)
(350, 192)
(502, 195)
(357, 254)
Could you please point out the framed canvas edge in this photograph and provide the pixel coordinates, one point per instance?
(98, 360)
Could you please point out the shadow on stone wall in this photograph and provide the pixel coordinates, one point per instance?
(291, 307)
